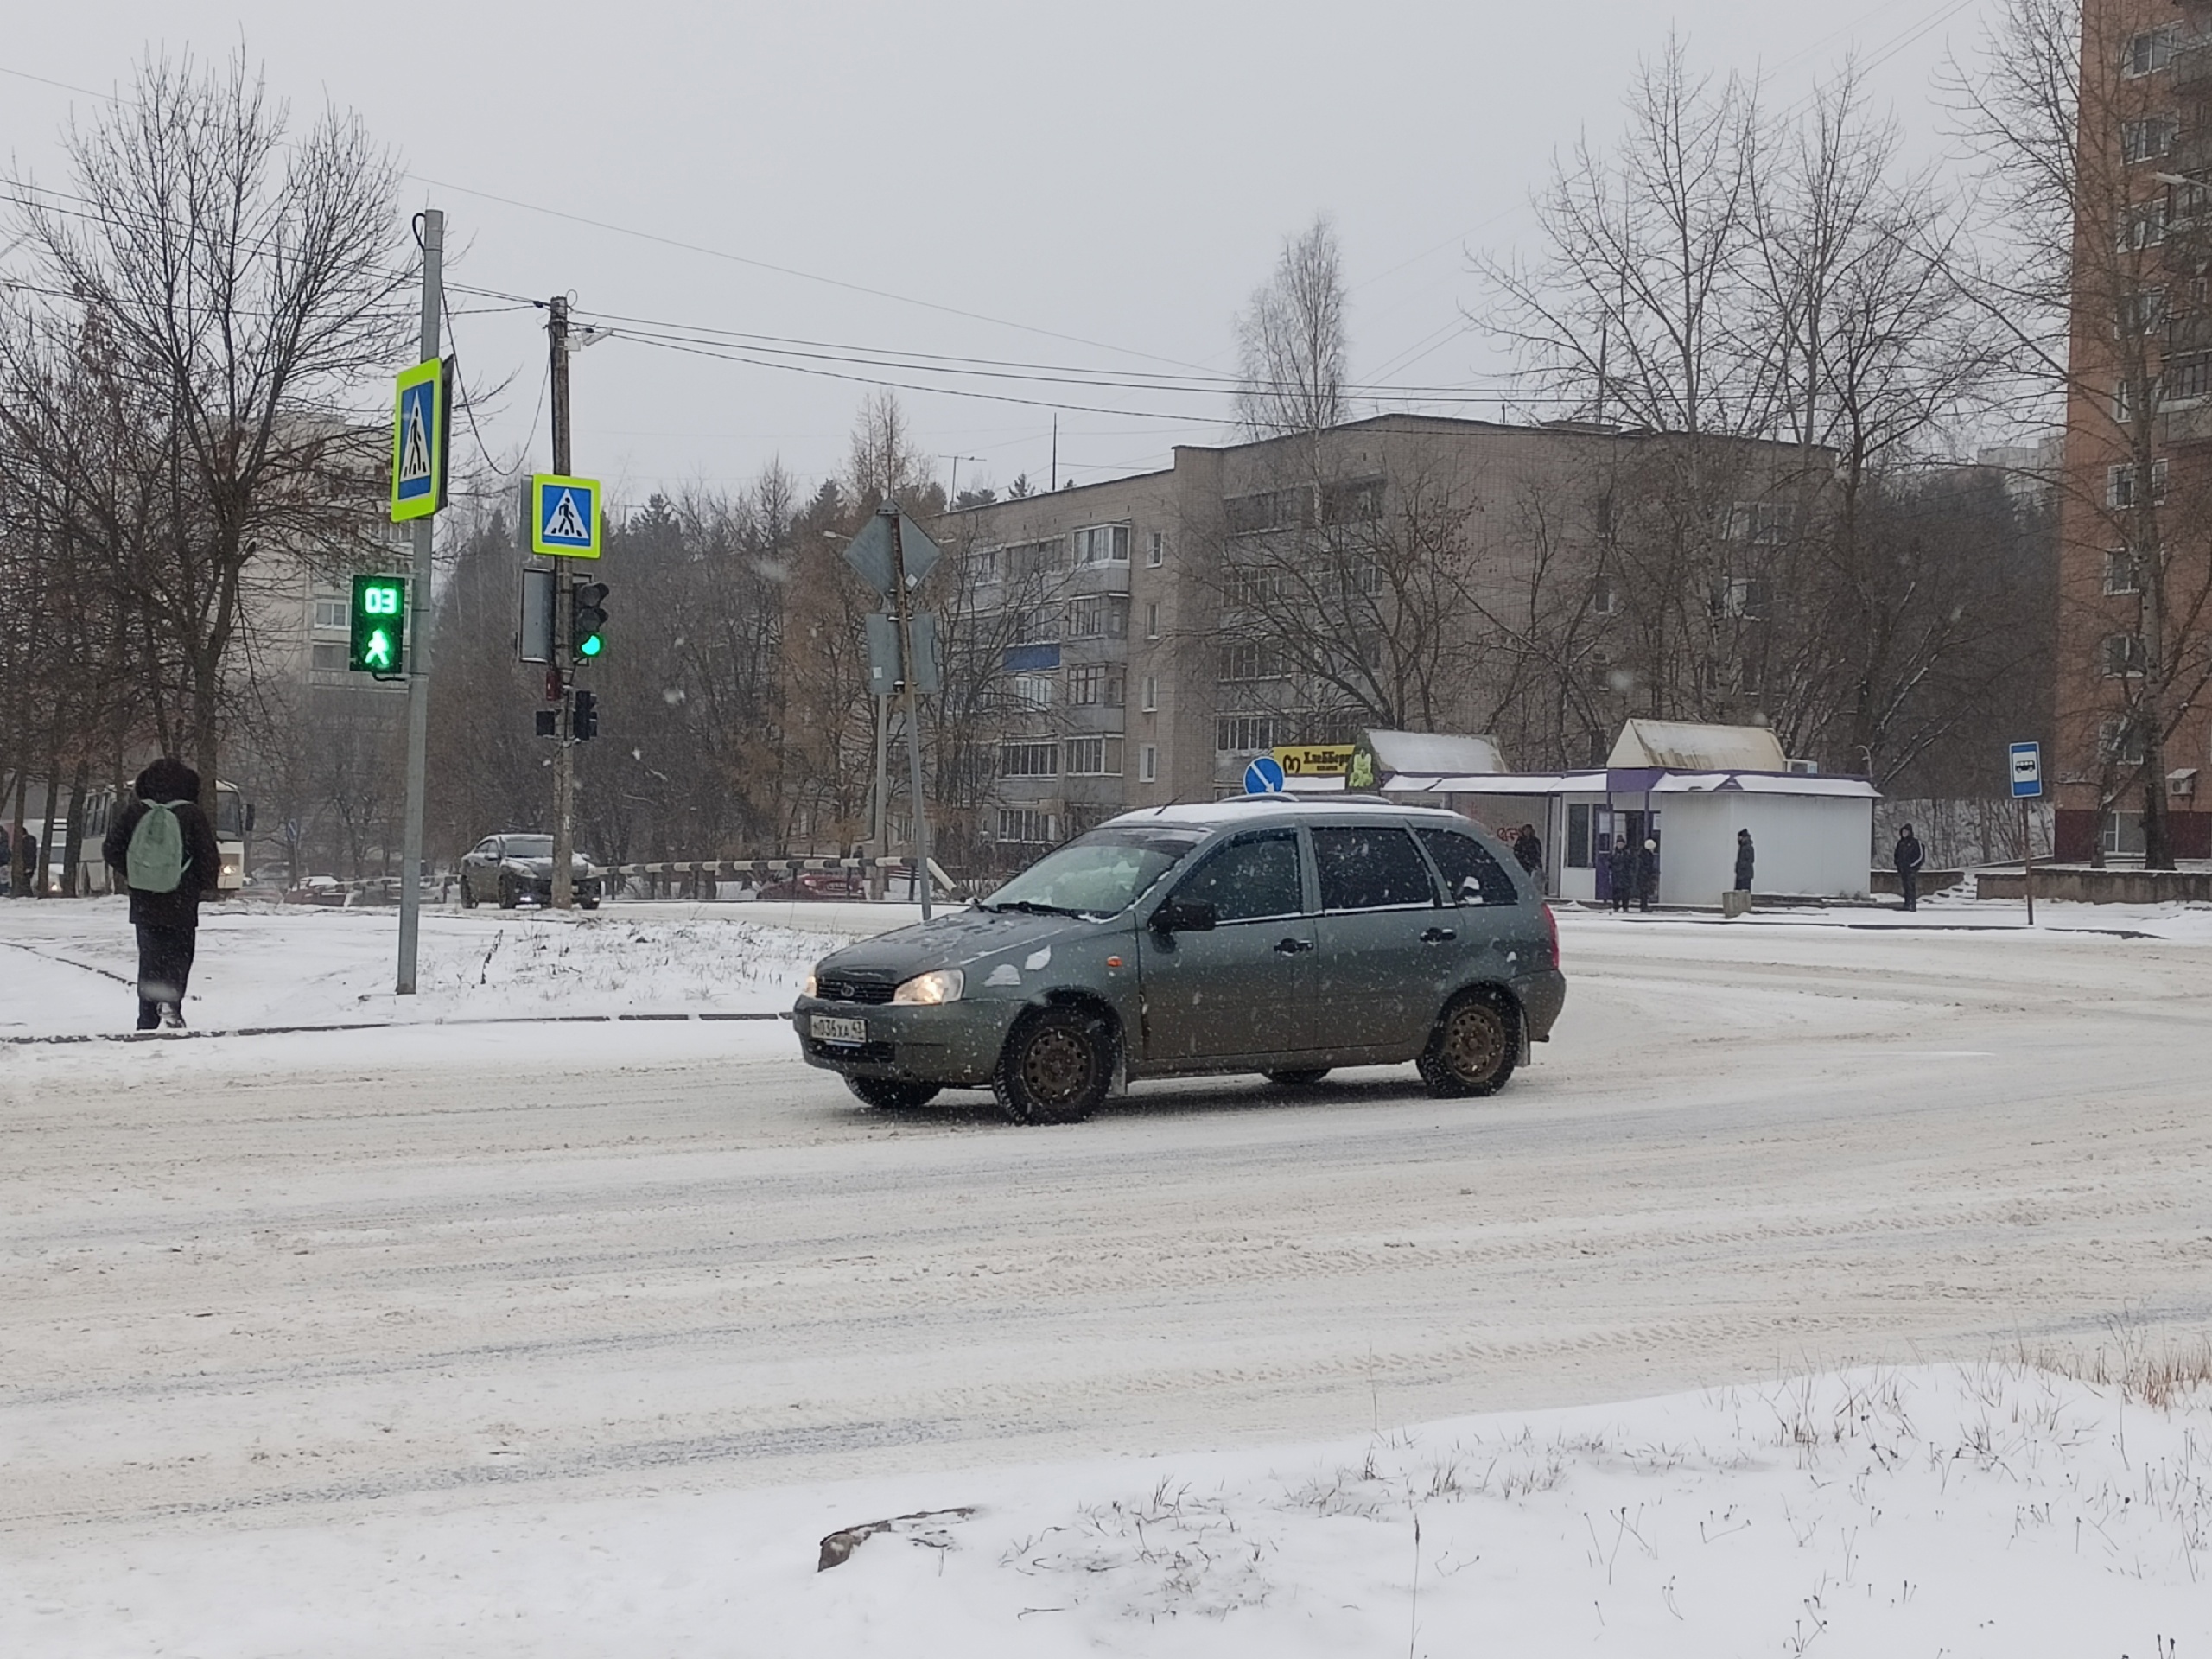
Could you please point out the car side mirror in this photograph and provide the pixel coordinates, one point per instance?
(1184, 916)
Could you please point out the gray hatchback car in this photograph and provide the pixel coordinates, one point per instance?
(1270, 934)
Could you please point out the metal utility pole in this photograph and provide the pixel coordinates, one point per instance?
(921, 836)
(565, 742)
(418, 656)
(880, 825)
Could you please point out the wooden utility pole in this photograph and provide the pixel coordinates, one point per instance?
(564, 754)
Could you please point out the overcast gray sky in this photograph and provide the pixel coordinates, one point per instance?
(1097, 186)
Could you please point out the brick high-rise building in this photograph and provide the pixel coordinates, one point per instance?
(2134, 738)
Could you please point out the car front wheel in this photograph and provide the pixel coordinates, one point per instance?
(1056, 1067)
(1472, 1049)
(468, 894)
(509, 895)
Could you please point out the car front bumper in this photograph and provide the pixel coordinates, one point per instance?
(955, 1044)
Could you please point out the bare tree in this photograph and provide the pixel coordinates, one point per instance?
(244, 285)
(1290, 341)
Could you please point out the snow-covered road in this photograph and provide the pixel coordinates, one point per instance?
(315, 1280)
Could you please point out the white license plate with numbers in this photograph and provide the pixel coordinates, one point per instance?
(829, 1028)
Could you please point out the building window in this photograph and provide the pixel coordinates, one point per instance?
(1026, 825)
(1033, 625)
(1034, 690)
(328, 659)
(331, 613)
(1244, 733)
(2120, 484)
(2149, 52)
(2145, 139)
(1029, 759)
(1151, 694)
(1762, 523)
(1034, 558)
(1601, 597)
(1094, 757)
(1735, 598)
(1086, 687)
(1117, 687)
(2143, 312)
(1250, 587)
(2124, 400)
(1152, 619)
(2187, 378)
(1156, 554)
(1578, 835)
(1098, 616)
(1357, 503)
(1255, 660)
(2119, 741)
(1103, 545)
(984, 562)
(2143, 225)
(1249, 515)
(2122, 655)
(2119, 572)
(1148, 763)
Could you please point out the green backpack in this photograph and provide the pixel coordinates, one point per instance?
(156, 860)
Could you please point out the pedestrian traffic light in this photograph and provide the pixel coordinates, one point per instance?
(587, 619)
(379, 618)
(583, 717)
(549, 722)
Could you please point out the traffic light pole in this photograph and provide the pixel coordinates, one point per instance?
(921, 836)
(564, 741)
(418, 655)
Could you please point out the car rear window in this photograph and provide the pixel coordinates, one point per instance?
(1471, 875)
(1371, 867)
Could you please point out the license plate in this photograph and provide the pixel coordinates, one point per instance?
(829, 1028)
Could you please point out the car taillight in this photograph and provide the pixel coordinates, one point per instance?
(1551, 929)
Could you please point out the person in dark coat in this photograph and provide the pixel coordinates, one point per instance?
(1745, 858)
(1623, 868)
(168, 923)
(1528, 850)
(1647, 874)
(1909, 858)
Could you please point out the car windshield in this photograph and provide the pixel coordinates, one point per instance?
(530, 845)
(1100, 874)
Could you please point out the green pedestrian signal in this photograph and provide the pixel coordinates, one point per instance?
(379, 623)
(587, 620)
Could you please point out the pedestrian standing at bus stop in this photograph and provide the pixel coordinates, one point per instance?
(162, 848)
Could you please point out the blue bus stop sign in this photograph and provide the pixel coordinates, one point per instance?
(1263, 776)
(2027, 771)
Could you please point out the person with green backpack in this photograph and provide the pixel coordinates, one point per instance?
(162, 848)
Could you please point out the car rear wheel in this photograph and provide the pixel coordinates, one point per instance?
(1300, 1078)
(888, 1094)
(1472, 1050)
(1056, 1066)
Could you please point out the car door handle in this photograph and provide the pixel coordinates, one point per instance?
(1292, 947)
(1438, 936)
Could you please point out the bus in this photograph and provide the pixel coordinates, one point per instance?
(233, 823)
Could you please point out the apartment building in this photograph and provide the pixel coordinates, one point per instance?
(2133, 734)
(1149, 635)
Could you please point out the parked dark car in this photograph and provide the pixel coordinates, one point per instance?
(1266, 934)
(511, 868)
(817, 884)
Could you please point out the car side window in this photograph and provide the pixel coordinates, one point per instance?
(1471, 875)
(1370, 867)
(1250, 880)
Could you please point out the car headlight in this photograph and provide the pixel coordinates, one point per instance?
(939, 985)
(807, 989)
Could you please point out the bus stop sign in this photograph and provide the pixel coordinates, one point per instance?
(2027, 771)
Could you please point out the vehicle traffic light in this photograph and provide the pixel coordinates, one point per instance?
(583, 717)
(379, 617)
(587, 619)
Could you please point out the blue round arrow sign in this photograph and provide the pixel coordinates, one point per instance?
(1263, 776)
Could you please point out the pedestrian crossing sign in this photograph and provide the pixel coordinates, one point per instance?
(420, 427)
(564, 517)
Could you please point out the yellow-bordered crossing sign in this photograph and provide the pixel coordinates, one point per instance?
(564, 517)
(421, 424)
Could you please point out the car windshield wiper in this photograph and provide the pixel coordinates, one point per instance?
(1030, 906)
